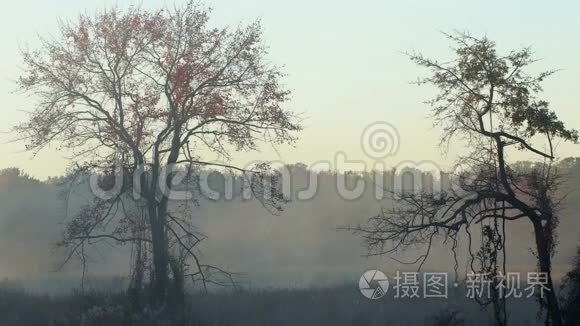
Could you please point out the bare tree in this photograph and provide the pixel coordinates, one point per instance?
(488, 100)
(141, 92)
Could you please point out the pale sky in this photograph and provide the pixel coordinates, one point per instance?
(344, 64)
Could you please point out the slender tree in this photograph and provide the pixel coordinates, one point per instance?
(489, 101)
(141, 92)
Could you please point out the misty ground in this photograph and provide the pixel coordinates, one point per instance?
(339, 305)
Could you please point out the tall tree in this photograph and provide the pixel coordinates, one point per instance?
(489, 101)
(140, 92)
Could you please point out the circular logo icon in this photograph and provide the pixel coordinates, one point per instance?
(380, 140)
(373, 284)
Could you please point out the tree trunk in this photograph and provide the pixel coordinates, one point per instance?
(544, 262)
(135, 290)
(160, 257)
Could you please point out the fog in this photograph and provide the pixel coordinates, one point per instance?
(303, 246)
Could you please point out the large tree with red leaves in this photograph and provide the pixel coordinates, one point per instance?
(147, 90)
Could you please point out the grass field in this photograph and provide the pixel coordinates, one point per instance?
(342, 305)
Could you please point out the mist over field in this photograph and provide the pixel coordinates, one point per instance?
(303, 246)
